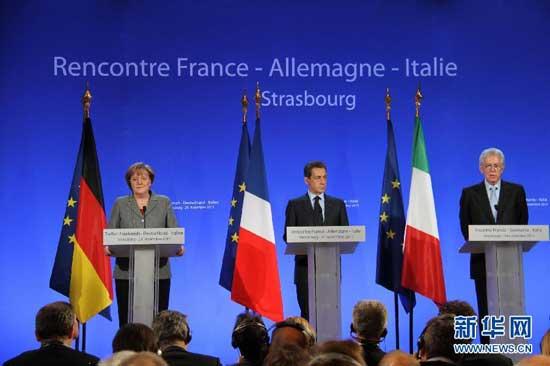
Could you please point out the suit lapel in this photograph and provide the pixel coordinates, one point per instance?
(307, 209)
(133, 207)
(502, 201)
(329, 208)
(153, 202)
(484, 202)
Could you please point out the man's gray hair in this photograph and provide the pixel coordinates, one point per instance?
(369, 318)
(170, 326)
(491, 151)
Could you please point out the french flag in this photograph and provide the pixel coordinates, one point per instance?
(256, 282)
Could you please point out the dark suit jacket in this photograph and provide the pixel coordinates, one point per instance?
(125, 214)
(476, 210)
(53, 355)
(177, 356)
(372, 353)
(485, 360)
(299, 212)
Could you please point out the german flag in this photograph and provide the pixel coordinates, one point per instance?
(81, 270)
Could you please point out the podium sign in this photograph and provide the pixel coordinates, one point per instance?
(143, 247)
(503, 246)
(323, 246)
(510, 233)
(120, 241)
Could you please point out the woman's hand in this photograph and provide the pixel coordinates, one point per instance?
(180, 251)
(107, 250)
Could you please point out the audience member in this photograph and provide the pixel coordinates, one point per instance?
(144, 359)
(369, 324)
(348, 348)
(334, 359)
(545, 344)
(398, 358)
(135, 337)
(539, 360)
(462, 308)
(55, 328)
(174, 335)
(293, 330)
(251, 338)
(435, 346)
(287, 354)
(457, 307)
(116, 359)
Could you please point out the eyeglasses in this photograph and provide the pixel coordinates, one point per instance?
(492, 166)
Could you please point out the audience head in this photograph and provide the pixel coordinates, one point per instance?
(347, 348)
(437, 339)
(171, 327)
(539, 360)
(250, 337)
(334, 359)
(457, 307)
(144, 359)
(56, 322)
(295, 330)
(398, 358)
(287, 355)
(369, 320)
(116, 359)
(135, 337)
(545, 344)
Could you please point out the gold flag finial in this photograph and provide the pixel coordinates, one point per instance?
(87, 100)
(258, 99)
(417, 101)
(388, 104)
(244, 103)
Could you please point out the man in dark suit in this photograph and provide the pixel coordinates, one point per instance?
(315, 208)
(491, 202)
(174, 335)
(56, 328)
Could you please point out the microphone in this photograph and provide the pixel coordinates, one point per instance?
(144, 208)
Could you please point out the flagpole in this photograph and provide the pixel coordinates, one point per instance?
(86, 103)
(258, 99)
(387, 99)
(244, 103)
(417, 102)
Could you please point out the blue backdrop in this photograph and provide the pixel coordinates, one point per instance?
(489, 87)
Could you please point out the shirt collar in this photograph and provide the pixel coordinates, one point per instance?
(488, 185)
(313, 195)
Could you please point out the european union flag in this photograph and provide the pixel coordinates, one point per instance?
(235, 212)
(391, 228)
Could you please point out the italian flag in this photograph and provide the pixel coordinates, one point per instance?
(422, 267)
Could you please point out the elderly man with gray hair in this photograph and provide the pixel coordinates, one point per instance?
(368, 327)
(491, 202)
(174, 335)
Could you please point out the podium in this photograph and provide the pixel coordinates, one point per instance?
(503, 246)
(143, 248)
(323, 246)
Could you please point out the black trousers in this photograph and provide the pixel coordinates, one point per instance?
(122, 290)
(300, 280)
(482, 307)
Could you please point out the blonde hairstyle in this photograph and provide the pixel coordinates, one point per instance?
(370, 318)
(398, 358)
(545, 344)
(309, 332)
